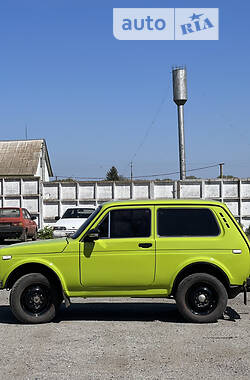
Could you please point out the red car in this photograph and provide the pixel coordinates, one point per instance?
(16, 222)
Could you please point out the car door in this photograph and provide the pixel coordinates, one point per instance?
(28, 222)
(124, 255)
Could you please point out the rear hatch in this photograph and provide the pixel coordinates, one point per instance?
(7, 222)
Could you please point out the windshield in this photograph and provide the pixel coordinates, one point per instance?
(9, 213)
(86, 223)
(78, 213)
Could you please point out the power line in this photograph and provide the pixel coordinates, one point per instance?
(150, 126)
(144, 176)
(177, 172)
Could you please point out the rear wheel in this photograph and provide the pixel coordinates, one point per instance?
(34, 237)
(201, 298)
(24, 236)
(33, 299)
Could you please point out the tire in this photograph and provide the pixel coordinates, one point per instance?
(34, 237)
(201, 298)
(23, 237)
(33, 299)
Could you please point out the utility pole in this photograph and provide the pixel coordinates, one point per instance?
(131, 171)
(180, 98)
(221, 170)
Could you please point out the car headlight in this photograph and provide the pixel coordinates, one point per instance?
(59, 228)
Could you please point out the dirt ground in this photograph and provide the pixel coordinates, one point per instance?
(125, 339)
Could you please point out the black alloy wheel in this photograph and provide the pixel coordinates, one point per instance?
(201, 298)
(34, 299)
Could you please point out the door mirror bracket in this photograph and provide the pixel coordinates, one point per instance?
(92, 235)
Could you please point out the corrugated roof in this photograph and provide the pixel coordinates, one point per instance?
(21, 157)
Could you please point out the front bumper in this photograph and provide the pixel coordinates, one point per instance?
(62, 233)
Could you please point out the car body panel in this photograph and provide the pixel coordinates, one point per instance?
(119, 268)
(175, 253)
(118, 261)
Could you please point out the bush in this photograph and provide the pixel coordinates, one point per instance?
(45, 233)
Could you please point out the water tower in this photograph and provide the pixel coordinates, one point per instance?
(180, 98)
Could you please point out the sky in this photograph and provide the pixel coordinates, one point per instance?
(99, 101)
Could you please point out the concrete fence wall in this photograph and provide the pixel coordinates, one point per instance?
(50, 199)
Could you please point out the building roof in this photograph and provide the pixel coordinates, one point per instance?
(21, 157)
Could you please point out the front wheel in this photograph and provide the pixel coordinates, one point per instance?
(33, 299)
(201, 298)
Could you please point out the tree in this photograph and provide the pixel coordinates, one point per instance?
(228, 177)
(112, 174)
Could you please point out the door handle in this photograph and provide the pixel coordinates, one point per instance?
(145, 245)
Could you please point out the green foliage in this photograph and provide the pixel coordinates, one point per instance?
(65, 180)
(122, 178)
(112, 174)
(228, 177)
(45, 233)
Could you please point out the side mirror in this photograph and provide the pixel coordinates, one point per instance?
(33, 217)
(92, 235)
(57, 218)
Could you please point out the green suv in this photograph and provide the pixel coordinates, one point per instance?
(191, 250)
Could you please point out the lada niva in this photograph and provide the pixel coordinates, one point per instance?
(191, 250)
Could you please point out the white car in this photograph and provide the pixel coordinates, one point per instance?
(71, 220)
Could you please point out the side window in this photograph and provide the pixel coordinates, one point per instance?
(176, 222)
(28, 214)
(127, 223)
(104, 227)
(25, 215)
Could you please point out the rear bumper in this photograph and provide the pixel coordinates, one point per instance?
(248, 284)
(10, 232)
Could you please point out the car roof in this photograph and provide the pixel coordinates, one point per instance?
(164, 202)
(84, 206)
(10, 208)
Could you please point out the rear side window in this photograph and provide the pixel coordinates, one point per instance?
(186, 222)
(26, 215)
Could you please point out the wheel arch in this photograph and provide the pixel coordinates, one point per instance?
(34, 268)
(201, 267)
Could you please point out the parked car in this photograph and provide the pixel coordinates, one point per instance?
(16, 222)
(71, 220)
(191, 250)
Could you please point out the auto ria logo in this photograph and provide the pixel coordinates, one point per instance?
(166, 23)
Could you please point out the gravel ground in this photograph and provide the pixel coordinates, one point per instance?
(125, 339)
